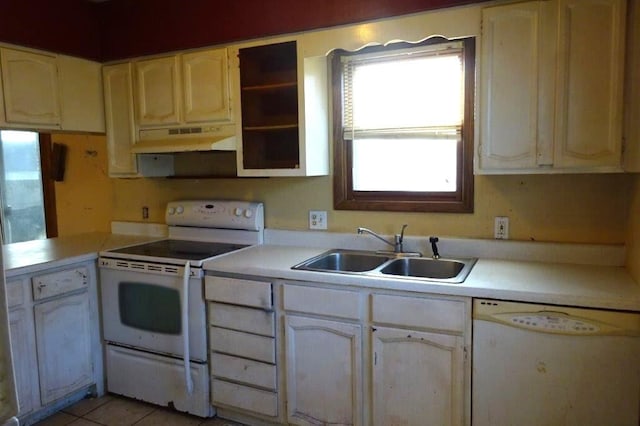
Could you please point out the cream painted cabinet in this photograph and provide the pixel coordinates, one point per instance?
(421, 374)
(24, 351)
(63, 338)
(324, 357)
(418, 378)
(118, 98)
(31, 92)
(23, 345)
(411, 368)
(324, 364)
(512, 51)
(63, 331)
(157, 92)
(120, 127)
(588, 131)
(81, 95)
(183, 89)
(205, 84)
(551, 87)
(44, 91)
(55, 338)
(242, 344)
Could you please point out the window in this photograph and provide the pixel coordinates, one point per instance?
(404, 134)
(25, 187)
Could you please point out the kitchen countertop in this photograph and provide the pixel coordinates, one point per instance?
(33, 256)
(591, 286)
(543, 282)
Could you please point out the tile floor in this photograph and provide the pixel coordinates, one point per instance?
(111, 410)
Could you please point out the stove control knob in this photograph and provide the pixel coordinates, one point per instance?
(237, 211)
(171, 211)
(179, 209)
(248, 213)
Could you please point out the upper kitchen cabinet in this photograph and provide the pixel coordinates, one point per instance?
(205, 86)
(31, 93)
(183, 89)
(551, 87)
(119, 119)
(157, 92)
(46, 92)
(120, 127)
(283, 99)
(81, 94)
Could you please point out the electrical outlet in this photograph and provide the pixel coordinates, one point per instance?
(145, 212)
(501, 228)
(317, 219)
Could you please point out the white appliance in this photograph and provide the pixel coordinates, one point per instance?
(8, 396)
(552, 365)
(153, 308)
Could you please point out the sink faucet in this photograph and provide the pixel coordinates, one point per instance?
(397, 240)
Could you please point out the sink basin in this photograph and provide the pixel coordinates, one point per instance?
(448, 270)
(344, 261)
(366, 263)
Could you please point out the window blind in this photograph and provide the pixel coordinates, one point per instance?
(408, 93)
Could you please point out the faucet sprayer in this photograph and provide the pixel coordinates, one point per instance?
(434, 247)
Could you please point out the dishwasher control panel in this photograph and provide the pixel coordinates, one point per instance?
(553, 323)
(552, 319)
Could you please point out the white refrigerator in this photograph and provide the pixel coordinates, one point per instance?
(8, 396)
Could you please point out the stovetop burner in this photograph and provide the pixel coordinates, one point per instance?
(180, 249)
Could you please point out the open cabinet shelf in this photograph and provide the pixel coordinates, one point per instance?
(274, 138)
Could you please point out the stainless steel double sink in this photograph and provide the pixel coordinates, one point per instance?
(354, 262)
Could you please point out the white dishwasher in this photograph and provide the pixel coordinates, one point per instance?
(543, 365)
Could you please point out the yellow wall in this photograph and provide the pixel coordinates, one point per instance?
(564, 208)
(84, 198)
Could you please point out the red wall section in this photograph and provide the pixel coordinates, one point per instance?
(61, 26)
(140, 27)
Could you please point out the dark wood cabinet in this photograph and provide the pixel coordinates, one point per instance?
(274, 140)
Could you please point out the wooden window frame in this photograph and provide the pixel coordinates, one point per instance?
(460, 201)
(48, 185)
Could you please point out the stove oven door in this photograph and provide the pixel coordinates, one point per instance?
(144, 309)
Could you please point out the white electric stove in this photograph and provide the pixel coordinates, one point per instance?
(153, 307)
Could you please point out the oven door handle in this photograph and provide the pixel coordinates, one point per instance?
(185, 327)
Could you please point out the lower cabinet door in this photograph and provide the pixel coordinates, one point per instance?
(63, 340)
(24, 358)
(324, 364)
(418, 378)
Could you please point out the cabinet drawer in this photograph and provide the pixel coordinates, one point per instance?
(242, 344)
(239, 292)
(244, 397)
(250, 320)
(243, 370)
(59, 282)
(436, 314)
(322, 301)
(15, 293)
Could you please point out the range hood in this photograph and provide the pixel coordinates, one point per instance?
(184, 139)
